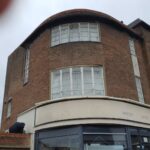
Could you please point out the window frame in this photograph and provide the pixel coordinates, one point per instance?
(82, 82)
(9, 108)
(79, 33)
(59, 38)
(139, 89)
(26, 66)
(136, 70)
(135, 65)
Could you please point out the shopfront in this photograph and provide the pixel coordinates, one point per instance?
(93, 138)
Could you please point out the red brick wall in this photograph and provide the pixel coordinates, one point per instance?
(37, 89)
(14, 141)
(112, 52)
(118, 65)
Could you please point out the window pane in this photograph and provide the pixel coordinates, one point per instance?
(105, 142)
(76, 81)
(87, 76)
(135, 65)
(69, 82)
(98, 80)
(26, 66)
(132, 48)
(146, 142)
(56, 93)
(139, 90)
(135, 141)
(74, 32)
(103, 147)
(60, 143)
(55, 36)
(84, 32)
(66, 90)
(93, 31)
(9, 109)
(64, 33)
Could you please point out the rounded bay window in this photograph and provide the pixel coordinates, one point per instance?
(77, 82)
(74, 32)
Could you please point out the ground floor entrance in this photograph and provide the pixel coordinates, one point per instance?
(93, 137)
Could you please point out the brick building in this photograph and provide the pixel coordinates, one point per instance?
(81, 80)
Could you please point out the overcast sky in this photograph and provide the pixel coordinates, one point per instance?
(25, 15)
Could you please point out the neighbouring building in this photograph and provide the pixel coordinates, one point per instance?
(81, 80)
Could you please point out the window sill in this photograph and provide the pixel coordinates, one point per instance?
(75, 42)
(8, 117)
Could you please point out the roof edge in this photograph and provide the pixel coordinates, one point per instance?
(139, 22)
(79, 12)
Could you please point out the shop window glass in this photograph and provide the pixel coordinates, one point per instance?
(105, 142)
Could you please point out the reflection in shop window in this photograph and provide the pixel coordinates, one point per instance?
(60, 143)
(146, 142)
(105, 142)
(103, 147)
(93, 138)
(135, 140)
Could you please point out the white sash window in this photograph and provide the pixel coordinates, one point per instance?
(136, 70)
(26, 66)
(74, 32)
(77, 81)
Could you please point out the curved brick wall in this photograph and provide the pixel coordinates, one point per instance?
(112, 53)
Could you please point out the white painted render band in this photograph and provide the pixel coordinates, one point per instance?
(87, 110)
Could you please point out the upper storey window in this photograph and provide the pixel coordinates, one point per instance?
(75, 32)
(136, 70)
(9, 107)
(26, 66)
(77, 81)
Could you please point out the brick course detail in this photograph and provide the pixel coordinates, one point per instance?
(14, 141)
